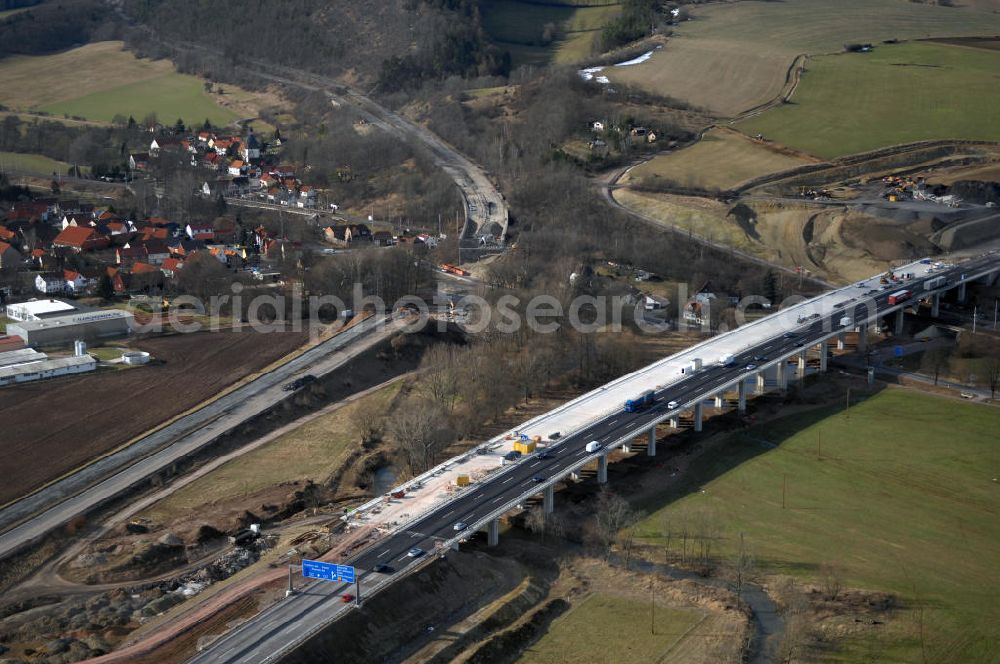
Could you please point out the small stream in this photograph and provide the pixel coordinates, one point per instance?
(383, 479)
(768, 623)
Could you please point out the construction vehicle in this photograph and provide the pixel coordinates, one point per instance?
(462, 480)
(525, 446)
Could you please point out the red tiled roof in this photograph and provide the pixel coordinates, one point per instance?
(144, 268)
(75, 236)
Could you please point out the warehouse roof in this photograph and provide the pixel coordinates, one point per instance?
(13, 357)
(82, 318)
(38, 308)
(46, 365)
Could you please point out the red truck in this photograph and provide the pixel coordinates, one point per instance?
(900, 296)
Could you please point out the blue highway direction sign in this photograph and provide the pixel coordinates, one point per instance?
(314, 569)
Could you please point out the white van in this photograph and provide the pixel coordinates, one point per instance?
(672, 405)
(593, 446)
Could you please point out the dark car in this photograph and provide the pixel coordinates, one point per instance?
(760, 358)
(799, 343)
(544, 455)
(383, 569)
(299, 382)
(788, 335)
(537, 479)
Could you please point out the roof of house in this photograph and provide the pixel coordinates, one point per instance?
(173, 264)
(144, 268)
(4, 248)
(75, 236)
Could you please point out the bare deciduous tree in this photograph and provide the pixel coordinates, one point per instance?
(415, 428)
(612, 515)
(367, 422)
(743, 567)
(831, 576)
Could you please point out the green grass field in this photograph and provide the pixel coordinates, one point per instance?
(170, 96)
(903, 499)
(735, 56)
(610, 628)
(720, 160)
(896, 94)
(517, 25)
(34, 164)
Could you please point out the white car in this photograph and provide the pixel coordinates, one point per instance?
(672, 405)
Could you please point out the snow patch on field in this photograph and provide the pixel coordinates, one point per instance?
(590, 73)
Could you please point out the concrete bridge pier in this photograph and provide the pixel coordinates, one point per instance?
(898, 328)
(741, 390)
(782, 368)
(863, 338)
(801, 371)
(699, 413)
(840, 340)
(549, 500)
(574, 476)
(824, 352)
(493, 533)
(627, 447)
(651, 449)
(602, 469)
(935, 305)
(961, 292)
(719, 400)
(673, 423)
(761, 383)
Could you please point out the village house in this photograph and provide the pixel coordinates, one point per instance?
(138, 161)
(10, 258)
(75, 282)
(79, 239)
(171, 267)
(50, 283)
(200, 231)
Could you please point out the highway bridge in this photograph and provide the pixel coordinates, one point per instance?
(766, 347)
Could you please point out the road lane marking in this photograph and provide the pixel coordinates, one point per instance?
(507, 480)
(498, 499)
(382, 554)
(534, 464)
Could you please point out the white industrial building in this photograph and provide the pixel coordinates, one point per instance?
(87, 325)
(39, 309)
(22, 366)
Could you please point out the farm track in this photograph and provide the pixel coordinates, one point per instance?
(609, 184)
